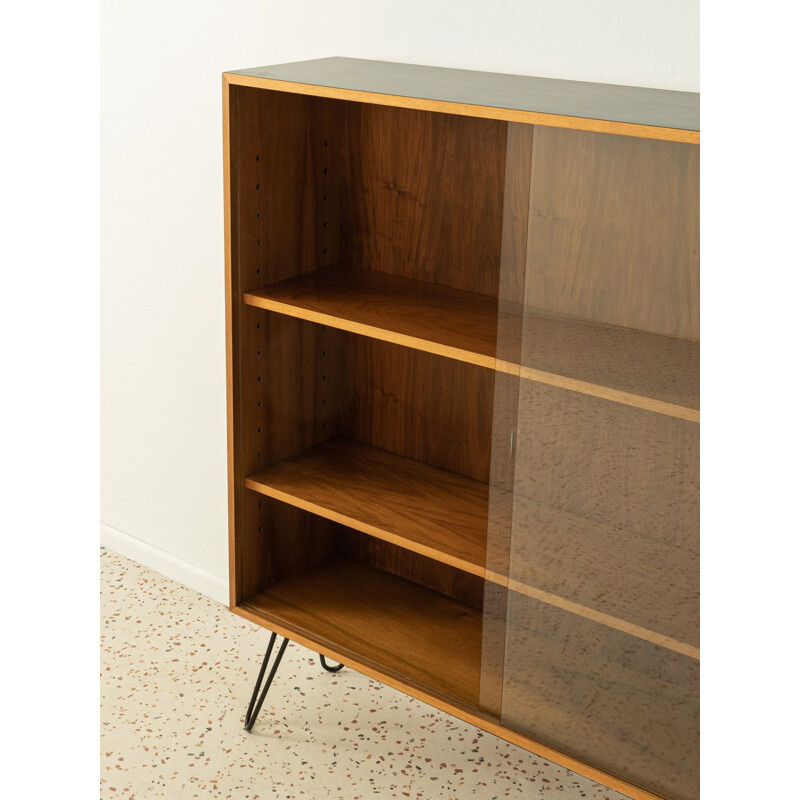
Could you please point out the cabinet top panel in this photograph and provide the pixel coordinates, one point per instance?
(607, 108)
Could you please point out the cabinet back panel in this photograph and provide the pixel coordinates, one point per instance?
(280, 541)
(422, 196)
(606, 509)
(614, 234)
(624, 467)
(388, 557)
(421, 406)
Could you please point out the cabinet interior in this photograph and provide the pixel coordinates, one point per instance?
(450, 339)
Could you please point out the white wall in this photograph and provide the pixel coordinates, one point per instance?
(163, 372)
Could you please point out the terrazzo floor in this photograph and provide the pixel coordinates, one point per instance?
(178, 669)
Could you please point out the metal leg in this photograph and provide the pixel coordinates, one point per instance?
(254, 708)
(325, 665)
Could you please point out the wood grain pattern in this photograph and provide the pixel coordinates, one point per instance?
(558, 558)
(406, 403)
(429, 511)
(618, 466)
(422, 196)
(614, 232)
(625, 110)
(649, 588)
(514, 241)
(601, 392)
(435, 575)
(659, 373)
(423, 316)
(635, 362)
(403, 629)
(273, 162)
(626, 705)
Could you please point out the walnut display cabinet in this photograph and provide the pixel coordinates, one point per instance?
(463, 395)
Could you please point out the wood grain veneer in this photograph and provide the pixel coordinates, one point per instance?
(572, 562)
(406, 402)
(427, 510)
(655, 372)
(422, 196)
(619, 466)
(613, 234)
(380, 619)
(424, 316)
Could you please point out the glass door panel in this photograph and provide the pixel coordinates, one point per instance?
(591, 614)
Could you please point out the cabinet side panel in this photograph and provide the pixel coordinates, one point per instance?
(280, 199)
(231, 312)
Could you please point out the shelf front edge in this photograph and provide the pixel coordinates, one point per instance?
(371, 331)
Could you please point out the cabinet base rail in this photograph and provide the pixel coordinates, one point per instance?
(257, 701)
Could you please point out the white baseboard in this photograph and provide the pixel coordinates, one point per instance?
(173, 567)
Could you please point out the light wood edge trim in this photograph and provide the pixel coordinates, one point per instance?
(373, 332)
(229, 301)
(596, 616)
(468, 110)
(364, 527)
(603, 392)
(482, 721)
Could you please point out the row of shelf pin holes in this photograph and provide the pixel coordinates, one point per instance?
(258, 272)
(323, 399)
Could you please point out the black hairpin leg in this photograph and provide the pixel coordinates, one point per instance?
(255, 707)
(325, 664)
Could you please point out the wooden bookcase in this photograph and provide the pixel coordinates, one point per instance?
(463, 401)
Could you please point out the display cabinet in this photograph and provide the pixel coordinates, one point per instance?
(463, 396)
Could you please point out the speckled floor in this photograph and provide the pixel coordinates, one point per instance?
(177, 672)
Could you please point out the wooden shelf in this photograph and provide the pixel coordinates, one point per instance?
(425, 316)
(436, 513)
(443, 516)
(645, 370)
(569, 562)
(384, 622)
